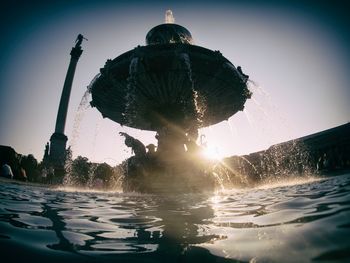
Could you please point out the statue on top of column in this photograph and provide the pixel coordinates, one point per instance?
(79, 40)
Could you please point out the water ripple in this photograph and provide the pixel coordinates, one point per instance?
(307, 221)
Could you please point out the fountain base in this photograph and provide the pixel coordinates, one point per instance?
(154, 174)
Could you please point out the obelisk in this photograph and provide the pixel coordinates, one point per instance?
(58, 140)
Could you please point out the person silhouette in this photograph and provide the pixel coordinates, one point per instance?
(6, 171)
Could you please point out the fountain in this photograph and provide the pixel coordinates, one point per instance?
(173, 87)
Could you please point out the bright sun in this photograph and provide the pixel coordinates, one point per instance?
(211, 153)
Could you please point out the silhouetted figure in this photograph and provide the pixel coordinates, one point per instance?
(22, 175)
(138, 148)
(79, 40)
(6, 171)
(47, 151)
(46, 158)
(151, 149)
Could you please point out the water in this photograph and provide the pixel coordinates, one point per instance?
(83, 106)
(130, 108)
(169, 17)
(297, 221)
(197, 100)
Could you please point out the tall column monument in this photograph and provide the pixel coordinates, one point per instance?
(57, 150)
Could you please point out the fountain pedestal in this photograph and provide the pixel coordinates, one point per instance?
(168, 173)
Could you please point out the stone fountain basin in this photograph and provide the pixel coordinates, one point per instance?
(150, 85)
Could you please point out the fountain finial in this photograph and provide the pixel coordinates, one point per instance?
(169, 18)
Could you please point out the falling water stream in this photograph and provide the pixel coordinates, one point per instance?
(196, 100)
(131, 107)
(83, 106)
(79, 115)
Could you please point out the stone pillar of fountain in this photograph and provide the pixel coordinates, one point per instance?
(171, 141)
(58, 140)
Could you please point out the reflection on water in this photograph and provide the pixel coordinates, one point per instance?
(297, 222)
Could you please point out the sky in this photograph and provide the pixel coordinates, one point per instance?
(297, 55)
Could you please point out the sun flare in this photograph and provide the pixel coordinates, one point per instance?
(211, 153)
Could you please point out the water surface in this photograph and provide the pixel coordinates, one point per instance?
(299, 221)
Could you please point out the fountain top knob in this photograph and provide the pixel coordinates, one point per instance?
(168, 33)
